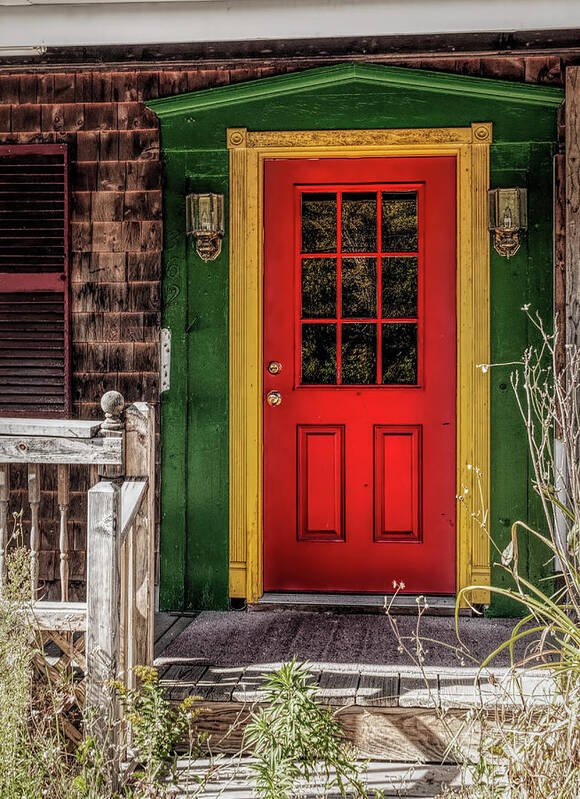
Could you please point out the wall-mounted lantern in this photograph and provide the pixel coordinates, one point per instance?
(205, 222)
(508, 216)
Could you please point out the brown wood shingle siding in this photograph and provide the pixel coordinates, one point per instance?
(116, 226)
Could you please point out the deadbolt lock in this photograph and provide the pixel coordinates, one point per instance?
(274, 367)
(274, 398)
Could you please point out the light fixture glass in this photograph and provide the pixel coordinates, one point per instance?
(205, 222)
(508, 216)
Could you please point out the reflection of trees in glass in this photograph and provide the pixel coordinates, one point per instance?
(319, 223)
(400, 354)
(319, 353)
(359, 287)
(359, 353)
(318, 288)
(399, 222)
(359, 222)
(399, 296)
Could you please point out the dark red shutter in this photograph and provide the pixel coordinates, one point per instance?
(34, 312)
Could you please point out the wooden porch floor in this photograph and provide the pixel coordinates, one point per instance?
(390, 711)
(349, 685)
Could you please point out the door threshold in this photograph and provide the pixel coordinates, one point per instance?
(403, 604)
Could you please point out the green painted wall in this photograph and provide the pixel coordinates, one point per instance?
(194, 533)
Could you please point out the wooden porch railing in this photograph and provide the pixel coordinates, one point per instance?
(117, 617)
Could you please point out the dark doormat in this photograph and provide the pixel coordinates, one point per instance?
(244, 639)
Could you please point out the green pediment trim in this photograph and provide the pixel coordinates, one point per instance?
(365, 74)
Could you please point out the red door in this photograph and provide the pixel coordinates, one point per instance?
(360, 344)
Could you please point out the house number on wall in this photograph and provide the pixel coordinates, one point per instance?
(165, 359)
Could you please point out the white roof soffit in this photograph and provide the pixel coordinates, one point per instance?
(73, 23)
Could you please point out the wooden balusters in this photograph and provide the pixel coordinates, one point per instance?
(34, 502)
(63, 506)
(118, 616)
(4, 498)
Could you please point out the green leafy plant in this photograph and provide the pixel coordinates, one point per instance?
(156, 727)
(36, 757)
(32, 752)
(89, 782)
(296, 741)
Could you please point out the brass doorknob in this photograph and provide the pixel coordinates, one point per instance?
(274, 398)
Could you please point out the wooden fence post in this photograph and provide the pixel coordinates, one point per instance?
(103, 606)
(140, 462)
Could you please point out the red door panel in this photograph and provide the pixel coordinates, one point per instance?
(397, 482)
(359, 309)
(320, 481)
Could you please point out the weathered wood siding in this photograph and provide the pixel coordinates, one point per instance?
(115, 236)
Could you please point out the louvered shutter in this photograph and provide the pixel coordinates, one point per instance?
(34, 313)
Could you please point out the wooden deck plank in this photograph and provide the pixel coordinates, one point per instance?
(175, 674)
(366, 686)
(418, 691)
(458, 691)
(180, 688)
(377, 690)
(338, 686)
(394, 734)
(218, 684)
(163, 621)
(250, 688)
(162, 642)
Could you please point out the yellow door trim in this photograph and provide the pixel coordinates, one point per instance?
(248, 151)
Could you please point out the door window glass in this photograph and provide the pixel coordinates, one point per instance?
(319, 223)
(399, 294)
(319, 354)
(359, 354)
(318, 288)
(359, 287)
(399, 353)
(399, 221)
(359, 222)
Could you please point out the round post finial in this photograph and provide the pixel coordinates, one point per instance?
(112, 404)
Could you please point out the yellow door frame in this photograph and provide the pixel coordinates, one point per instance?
(248, 151)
